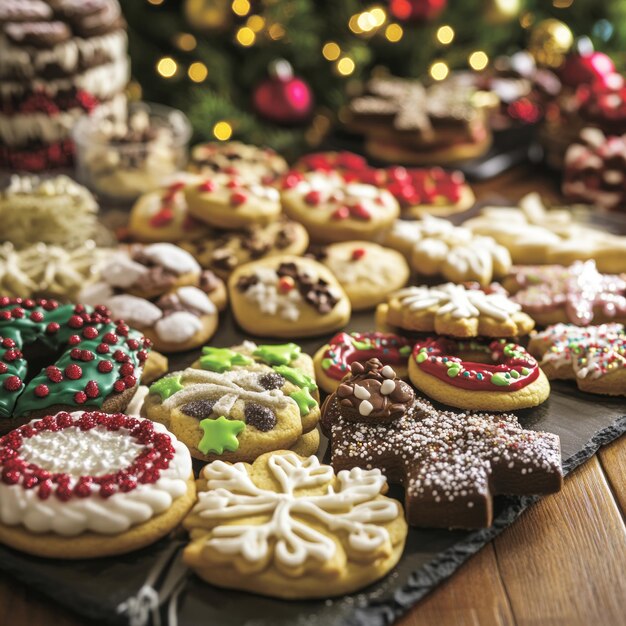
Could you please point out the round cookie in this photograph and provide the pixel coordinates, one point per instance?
(287, 296)
(367, 272)
(477, 375)
(333, 360)
(332, 209)
(86, 485)
(228, 201)
(288, 527)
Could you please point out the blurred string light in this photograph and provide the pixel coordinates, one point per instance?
(222, 131)
(478, 60)
(445, 35)
(240, 7)
(197, 72)
(276, 31)
(439, 70)
(368, 22)
(155, 3)
(394, 33)
(256, 23)
(527, 20)
(185, 41)
(246, 36)
(562, 4)
(167, 67)
(603, 29)
(345, 66)
(331, 51)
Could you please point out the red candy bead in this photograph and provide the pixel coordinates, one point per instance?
(54, 374)
(12, 355)
(358, 253)
(90, 332)
(76, 321)
(312, 197)
(119, 386)
(75, 353)
(133, 344)
(41, 391)
(73, 340)
(80, 397)
(73, 371)
(342, 213)
(162, 218)
(8, 343)
(110, 338)
(17, 313)
(105, 367)
(207, 186)
(238, 198)
(102, 348)
(13, 383)
(127, 369)
(52, 328)
(36, 316)
(92, 390)
(3, 368)
(129, 381)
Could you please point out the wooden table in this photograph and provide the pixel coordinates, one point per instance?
(563, 562)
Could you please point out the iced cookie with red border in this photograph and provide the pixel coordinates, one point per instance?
(333, 360)
(367, 272)
(287, 296)
(88, 484)
(593, 356)
(477, 375)
(230, 201)
(289, 527)
(332, 209)
(454, 310)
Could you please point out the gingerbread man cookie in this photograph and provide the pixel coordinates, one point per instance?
(451, 464)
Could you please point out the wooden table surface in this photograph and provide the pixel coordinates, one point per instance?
(562, 563)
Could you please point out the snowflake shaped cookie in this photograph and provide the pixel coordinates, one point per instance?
(290, 527)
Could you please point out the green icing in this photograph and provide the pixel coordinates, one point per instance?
(327, 363)
(296, 376)
(220, 434)
(281, 354)
(222, 359)
(500, 379)
(421, 356)
(304, 400)
(454, 370)
(166, 387)
(405, 350)
(362, 345)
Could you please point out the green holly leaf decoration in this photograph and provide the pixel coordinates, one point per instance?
(304, 400)
(281, 354)
(296, 376)
(222, 359)
(219, 435)
(166, 387)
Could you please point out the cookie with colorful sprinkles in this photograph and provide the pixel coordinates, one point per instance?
(450, 464)
(488, 376)
(89, 484)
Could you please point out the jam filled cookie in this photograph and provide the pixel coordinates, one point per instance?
(477, 375)
(593, 356)
(333, 360)
(454, 310)
(367, 272)
(451, 464)
(332, 209)
(289, 527)
(287, 296)
(83, 485)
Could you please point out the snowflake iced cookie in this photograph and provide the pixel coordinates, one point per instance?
(454, 310)
(288, 527)
(477, 375)
(450, 464)
(287, 296)
(235, 404)
(366, 271)
(593, 356)
(89, 484)
(436, 247)
(333, 360)
(579, 294)
(230, 201)
(332, 209)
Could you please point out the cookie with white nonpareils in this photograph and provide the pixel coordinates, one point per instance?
(332, 209)
(451, 464)
(229, 201)
(287, 296)
(367, 272)
(454, 310)
(88, 484)
(593, 356)
(578, 294)
(288, 527)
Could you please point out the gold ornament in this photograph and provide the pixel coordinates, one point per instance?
(208, 15)
(502, 11)
(550, 41)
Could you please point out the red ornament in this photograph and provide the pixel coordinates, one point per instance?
(416, 10)
(585, 66)
(283, 98)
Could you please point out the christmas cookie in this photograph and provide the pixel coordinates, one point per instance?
(367, 272)
(235, 404)
(332, 209)
(99, 366)
(226, 250)
(454, 310)
(578, 293)
(477, 375)
(593, 356)
(262, 165)
(450, 464)
(333, 360)
(289, 527)
(87, 484)
(228, 201)
(287, 296)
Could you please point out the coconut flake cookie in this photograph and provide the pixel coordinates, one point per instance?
(367, 272)
(450, 464)
(288, 527)
(477, 375)
(333, 360)
(593, 356)
(86, 484)
(236, 404)
(578, 293)
(454, 310)
(287, 296)
(332, 209)
(229, 201)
